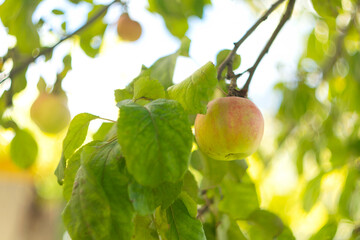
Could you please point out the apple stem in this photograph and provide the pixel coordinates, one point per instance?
(233, 91)
(237, 93)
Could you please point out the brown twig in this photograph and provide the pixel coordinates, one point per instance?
(251, 70)
(4, 77)
(44, 51)
(243, 38)
(205, 208)
(202, 211)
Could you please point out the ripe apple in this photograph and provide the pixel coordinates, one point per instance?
(231, 129)
(50, 112)
(128, 29)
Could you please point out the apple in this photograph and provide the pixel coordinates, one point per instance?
(128, 29)
(50, 112)
(231, 129)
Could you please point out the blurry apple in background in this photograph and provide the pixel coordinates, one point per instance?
(50, 112)
(231, 129)
(128, 29)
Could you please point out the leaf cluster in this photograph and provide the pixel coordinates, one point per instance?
(142, 178)
(320, 110)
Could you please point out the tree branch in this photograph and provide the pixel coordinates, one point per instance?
(205, 208)
(44, 51)
(3, 77)
(251, 71)
(231, 55)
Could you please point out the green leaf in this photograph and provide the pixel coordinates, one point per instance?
(234, 232)
(146, 199)
(57, 12)
(17, 17)
(77, 132)
(175, 13)
(286, 234)
(148, 88)
(144, 229)
(64, 26)
(328, 8)
(328, 231)
(156, 140)
(210, 231)
(184, 47)
(103, 130)
(312, 193)
(190, 186)
(126, 102)
(355, 233)
(267, 222)
(78, 1)
(313, 52)
(67, 67)
(23, 149)
(87, 195)
(70, 171)
(73, 164)
(354, 61)
(346, 206)
(60, 170)
(163, 69)
(222, 55)
(41, 85)
(105, 160)
(197, 90)
(177, 27)
(302, 96)
(196, 160)
(122, 94)
(213, 171)
(3, 101)
(240, 199)
(189, 203)
(228, 229)
(181, 225)
(237, 170)
(90, 40)
(99, 207)
(19, 81)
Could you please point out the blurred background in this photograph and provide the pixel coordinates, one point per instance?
(307, 87)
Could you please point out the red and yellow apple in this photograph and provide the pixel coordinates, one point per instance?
(50, 112)
(128, 29)
(231, 129)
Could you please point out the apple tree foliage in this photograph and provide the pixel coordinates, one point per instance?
(143, 176)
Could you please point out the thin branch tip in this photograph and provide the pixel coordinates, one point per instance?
(246, 35)
(286, 16)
